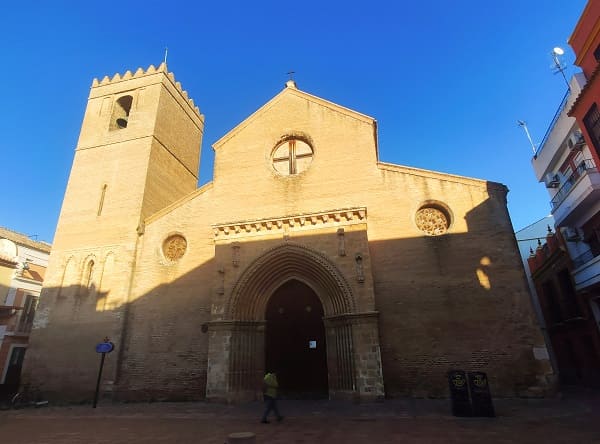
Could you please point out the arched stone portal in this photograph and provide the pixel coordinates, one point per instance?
(236, 361)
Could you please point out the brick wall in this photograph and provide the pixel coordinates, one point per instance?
(454, 301)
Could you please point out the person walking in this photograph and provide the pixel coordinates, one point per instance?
(270, 386)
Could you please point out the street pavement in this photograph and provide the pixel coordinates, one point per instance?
(570, 418)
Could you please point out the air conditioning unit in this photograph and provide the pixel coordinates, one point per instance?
(552, 180)
(576, 140)
(571, 234)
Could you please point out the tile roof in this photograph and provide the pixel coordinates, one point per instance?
(587, 86)
(22, 239)
(4, 259)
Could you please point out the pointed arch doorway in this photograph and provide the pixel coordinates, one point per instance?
(237, 335)
(295, 344)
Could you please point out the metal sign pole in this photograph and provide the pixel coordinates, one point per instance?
(99, 378)
(104, 348)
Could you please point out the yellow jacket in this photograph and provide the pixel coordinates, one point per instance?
(271, 385)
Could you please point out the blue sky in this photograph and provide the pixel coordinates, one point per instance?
(446, 81)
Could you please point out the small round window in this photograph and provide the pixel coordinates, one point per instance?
(292, 156)
(432, 220)
(174, 247)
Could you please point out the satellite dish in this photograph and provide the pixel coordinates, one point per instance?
(558, 51)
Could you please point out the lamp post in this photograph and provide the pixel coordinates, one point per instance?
(523, 125)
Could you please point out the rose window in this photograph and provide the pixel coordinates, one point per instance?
(292, 157)
(432, 221)
(174, 247)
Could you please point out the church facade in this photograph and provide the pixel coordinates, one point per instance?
(306, 255)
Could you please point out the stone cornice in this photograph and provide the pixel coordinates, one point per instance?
(298, 222)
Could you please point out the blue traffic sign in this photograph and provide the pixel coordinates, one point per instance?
(105, 347)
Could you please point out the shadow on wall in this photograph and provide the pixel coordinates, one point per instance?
(458, 301)
(444, 302)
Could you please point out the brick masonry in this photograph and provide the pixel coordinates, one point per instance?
(401, 307)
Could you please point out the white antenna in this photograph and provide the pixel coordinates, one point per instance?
(559, 66)
(166, 52)
(523, 125)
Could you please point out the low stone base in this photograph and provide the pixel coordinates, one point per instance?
(241, 437)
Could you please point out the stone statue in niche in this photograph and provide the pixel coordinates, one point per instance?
(235, 254)
(341, 242)
(221, 287)
(360, 274)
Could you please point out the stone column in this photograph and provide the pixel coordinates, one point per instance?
(340, 358)
(247, 360)
(219, 346)
(367, 356)
(235, 360)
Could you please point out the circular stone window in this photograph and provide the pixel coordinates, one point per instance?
(292, 157)
(432, 220)
(174, 247)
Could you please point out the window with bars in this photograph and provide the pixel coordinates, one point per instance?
(89, 274)
(597, 53)
(28, 313)
(592, 125)
(552, 310)
(292, 156)
(89, 279)
(568, 296)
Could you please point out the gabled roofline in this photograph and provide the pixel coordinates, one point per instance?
(298, 93)
(443, 176)
(178, 203)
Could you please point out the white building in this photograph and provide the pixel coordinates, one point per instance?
(24, 265)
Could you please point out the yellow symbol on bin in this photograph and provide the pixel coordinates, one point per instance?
(458, 381)
(480, 381)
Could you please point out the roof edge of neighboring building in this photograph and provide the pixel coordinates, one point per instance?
(584, 91)
(7, 260)
(24, 240)
(533, 223)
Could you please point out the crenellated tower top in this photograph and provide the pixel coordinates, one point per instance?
(141, 73)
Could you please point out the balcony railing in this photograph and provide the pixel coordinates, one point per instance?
(583, 258)
(559, 111)
(566, 187)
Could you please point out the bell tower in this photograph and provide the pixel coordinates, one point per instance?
(138, 152)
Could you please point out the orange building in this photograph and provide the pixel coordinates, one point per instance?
(585, 42)
(566, 269)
